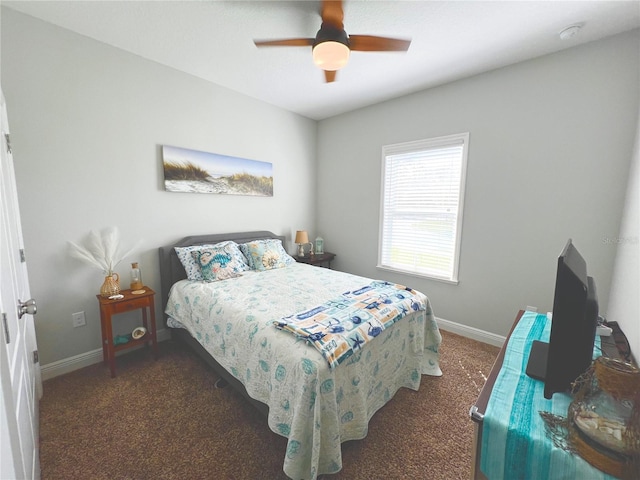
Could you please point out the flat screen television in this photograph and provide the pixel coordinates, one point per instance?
(573, 326)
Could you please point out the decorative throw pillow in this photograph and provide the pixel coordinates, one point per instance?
(266, 254)
(218, 263)
(191, 266)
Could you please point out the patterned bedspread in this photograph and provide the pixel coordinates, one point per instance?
(314, 406)
(347, 323)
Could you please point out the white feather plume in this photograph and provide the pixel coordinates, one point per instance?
(101, 249)
(85, 255)
(110, 242)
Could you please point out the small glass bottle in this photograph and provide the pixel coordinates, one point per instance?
(319, 245)
(136, 277)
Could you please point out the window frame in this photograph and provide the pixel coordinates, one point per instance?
(417, 146)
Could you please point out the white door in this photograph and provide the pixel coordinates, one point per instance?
(20, 378)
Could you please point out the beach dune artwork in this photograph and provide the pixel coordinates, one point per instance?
(193, 171)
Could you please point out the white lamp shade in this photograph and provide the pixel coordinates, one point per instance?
(331, 55)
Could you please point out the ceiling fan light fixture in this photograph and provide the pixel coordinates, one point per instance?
(331, 48)
(331, 55)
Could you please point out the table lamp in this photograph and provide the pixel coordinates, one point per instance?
(302, 238)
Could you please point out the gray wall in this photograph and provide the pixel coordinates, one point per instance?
(550, 146)
(87, 123)
(624, 302)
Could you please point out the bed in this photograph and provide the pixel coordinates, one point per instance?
(233, 325)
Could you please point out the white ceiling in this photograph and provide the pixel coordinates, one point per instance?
(213, 40)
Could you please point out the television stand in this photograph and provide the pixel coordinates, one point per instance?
(526, 405)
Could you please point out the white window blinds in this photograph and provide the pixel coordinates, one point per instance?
(421, 206)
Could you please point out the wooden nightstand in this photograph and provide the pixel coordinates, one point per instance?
(129, 303)
(318, 259)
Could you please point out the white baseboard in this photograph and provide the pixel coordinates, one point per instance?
(66, 365)
(471, 332)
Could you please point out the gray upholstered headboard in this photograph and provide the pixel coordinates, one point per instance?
(171, 270)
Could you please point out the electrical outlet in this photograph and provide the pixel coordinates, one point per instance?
(78, 319)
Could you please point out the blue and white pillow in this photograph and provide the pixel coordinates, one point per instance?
(192, 268)
(266, 254)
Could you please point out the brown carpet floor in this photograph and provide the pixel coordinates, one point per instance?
(166, 420)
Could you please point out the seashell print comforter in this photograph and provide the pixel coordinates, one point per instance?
(314, 406)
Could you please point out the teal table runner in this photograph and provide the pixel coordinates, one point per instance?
(514, 442)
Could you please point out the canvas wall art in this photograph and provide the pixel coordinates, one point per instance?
(193, 171)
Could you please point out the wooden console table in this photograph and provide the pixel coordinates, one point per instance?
(549, 460)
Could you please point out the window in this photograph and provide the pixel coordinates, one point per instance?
(421, 206)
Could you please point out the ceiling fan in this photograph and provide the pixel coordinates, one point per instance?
(331, 46)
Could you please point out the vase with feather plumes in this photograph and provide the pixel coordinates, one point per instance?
(111, 285)
(101, 249)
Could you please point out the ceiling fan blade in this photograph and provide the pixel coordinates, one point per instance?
(370, 43)
(330, 76)
(285, 42)
(332, 13)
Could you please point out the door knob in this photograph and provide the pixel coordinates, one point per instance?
(28, 307)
